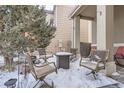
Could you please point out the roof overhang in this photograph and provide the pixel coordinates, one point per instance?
(77, 11)
(87, 12)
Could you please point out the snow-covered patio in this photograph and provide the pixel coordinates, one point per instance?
(75, 77)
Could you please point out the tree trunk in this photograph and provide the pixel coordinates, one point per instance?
(8, 63)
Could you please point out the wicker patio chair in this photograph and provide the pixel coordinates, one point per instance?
(85, 49)
(40, 71)
(73, 57)
(100, 57)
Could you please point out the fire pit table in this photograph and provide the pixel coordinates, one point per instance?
(63, 59)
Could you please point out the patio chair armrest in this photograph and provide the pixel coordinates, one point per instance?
(46, 57)
(102, 61)
(99, 61)
(89, 56)
(50, 56)
(45, 64)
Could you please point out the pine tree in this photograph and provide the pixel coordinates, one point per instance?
(22, 27)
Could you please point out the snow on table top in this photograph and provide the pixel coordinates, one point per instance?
(63, 53)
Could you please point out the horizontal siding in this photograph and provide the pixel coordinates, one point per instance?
(83, 31)
(64, 29)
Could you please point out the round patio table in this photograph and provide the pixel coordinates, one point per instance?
(63, 59)
(11, 83)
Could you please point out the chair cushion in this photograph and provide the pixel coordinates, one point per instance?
(89, 65)
(42, 71)
(94, 58)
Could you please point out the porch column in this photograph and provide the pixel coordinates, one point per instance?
(90, 31)
(105, 22)
(76, 32)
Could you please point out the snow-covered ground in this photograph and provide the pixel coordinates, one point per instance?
(22, 82)
(73, 77)
(1, 61)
